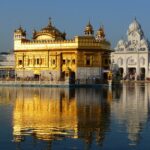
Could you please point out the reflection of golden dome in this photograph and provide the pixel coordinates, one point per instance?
(49, 33)
(89, 29)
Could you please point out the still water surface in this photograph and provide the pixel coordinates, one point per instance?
(86, 118)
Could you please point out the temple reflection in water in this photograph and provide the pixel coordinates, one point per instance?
(52, 114)
(47, 114)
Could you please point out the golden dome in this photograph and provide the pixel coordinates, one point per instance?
(100, 35)
(49, 33)
(89, 29)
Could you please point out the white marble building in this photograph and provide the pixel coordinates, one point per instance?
(132, 56)
(7, 65)
(7, 59)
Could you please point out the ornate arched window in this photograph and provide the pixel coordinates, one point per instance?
(142, 61)
(120, 61)
(131, 61)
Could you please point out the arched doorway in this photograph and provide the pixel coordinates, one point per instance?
(142, 73)
(105, 76)
(72, 77)
(68, 75)
(36, 76)
(62, 76)
(132, 73)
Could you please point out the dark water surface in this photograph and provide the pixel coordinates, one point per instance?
(105, 118)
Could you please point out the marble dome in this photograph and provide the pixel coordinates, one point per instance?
(143, 42)
(120, 42)
(134, 26)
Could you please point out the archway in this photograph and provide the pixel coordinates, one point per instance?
(142, 61)
(68, 75)
(62, 76)
(105, 76)
(132, 73)
(72, 77)
(120, 61)
(36, 76)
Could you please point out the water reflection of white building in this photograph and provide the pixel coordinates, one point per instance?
(132, 109)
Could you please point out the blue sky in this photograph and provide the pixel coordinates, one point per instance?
(72, 16)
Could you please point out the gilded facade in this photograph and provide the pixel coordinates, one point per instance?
(49, 55)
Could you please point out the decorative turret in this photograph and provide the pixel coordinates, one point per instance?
(100, 35)
(89, 29)
(19, 34)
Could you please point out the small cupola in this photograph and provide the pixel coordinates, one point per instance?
(89, 29)
(20, 33)
(100, 35)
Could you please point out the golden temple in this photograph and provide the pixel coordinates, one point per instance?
(50, 56)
